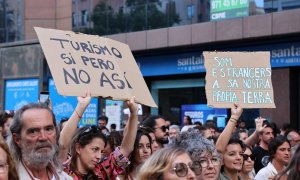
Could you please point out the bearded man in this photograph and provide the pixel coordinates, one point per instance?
(159, 127)
(34, 143)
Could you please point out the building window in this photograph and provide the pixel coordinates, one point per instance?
(84, 17)
(74, 20)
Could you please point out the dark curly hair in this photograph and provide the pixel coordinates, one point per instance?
(275, 143)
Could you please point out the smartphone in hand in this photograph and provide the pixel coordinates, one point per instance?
(44, 97)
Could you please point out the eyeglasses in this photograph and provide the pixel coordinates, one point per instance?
(91, 129)
(295, 140)
(181, 169)
(215, 160)
(246, 157)
(3, 168)
(163, 128)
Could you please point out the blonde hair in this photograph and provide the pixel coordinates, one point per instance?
(159, 162)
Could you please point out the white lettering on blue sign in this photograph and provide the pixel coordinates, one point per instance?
(286, 52)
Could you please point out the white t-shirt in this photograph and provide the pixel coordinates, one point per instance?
(266, 172)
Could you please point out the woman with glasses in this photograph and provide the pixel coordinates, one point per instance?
(86, 152)
(170, 163)
(202, 151)
(141, 152)
(247, 172)
(8, 169)
(87, 146)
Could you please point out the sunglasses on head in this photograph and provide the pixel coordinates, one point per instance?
(246, 157)
(163, 128)
(181, 169)
(91, 129)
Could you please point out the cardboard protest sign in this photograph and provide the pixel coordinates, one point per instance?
(80, 62)
(238, 77)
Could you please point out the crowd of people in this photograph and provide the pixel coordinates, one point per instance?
(33, 146)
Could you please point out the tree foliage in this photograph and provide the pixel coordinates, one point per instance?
(138, 15)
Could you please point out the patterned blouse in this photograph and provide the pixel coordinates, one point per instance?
(108, 169)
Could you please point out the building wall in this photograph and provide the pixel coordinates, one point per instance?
(253, 28)
(281, 86)
(55, 14)
(20, 60)
(259, 26)
(11, 28)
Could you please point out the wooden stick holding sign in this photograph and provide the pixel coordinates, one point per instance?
(238, 77)
(80, 62)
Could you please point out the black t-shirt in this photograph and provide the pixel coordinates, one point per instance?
(262, 158)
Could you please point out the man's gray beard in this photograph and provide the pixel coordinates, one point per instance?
(39, 160)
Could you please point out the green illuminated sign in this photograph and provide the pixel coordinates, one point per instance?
(227, 9)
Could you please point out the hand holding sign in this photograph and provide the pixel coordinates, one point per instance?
(236, 111)
(79, 62)
(133, 107)
(83, 102)
(238, 77)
